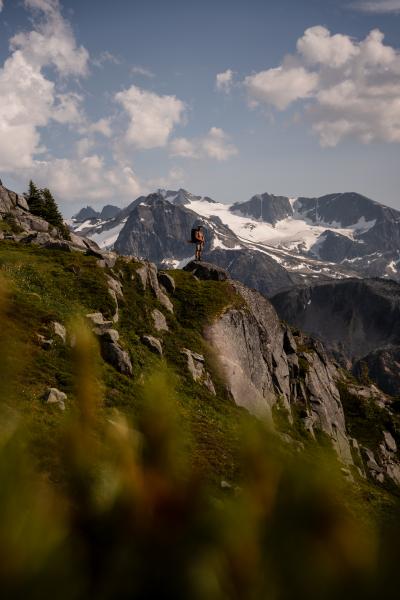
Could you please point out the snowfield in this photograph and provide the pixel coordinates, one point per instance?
(293, 233)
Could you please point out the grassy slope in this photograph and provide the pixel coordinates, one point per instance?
(49, 285)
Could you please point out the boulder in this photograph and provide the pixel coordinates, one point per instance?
(115, 286)
(153, 343)
(60, 331)
(97, 319)
(390, 442)
(108, 335)
(196, 367)
(115, 356)
(59, 245)
(37, 238)
(167, 282)
(92, 249)
(55, 396)
(147, 274)
(206, 271)
(160, 322)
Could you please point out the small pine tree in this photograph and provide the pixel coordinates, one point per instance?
(35, 200)
(52, 213)
(42, 204)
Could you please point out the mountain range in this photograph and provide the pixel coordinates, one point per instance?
(270, 242)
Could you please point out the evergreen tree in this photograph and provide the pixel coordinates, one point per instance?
(52, 213)
(35, 200)
(42, 204)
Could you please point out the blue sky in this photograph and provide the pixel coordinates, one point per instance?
(103, 101)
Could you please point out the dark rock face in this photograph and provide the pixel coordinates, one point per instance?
(352, 317)
(265, 207)
(167, 282)
(206, 271)
(333, 247)
(254, 269)
(383, 367)
(109, 212)
(86, 214)
(345, 209)
(158, 229)
(377, 231)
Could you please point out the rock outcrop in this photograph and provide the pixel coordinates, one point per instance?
(206, 271)
(110, 349)
(196, 367)
(147, 273)
(265, 365)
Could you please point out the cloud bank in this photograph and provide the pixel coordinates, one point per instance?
(378, 6)
(215, 144)
(348, 88)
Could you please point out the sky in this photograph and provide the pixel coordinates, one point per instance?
(102, 101)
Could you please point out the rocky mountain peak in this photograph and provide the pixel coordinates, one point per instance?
(265, 207)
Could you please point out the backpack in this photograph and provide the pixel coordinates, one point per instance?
(193, 239)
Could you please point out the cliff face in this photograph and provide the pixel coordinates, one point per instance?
(269, 368)
(266, 366)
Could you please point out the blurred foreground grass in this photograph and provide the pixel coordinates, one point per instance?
(132, 516)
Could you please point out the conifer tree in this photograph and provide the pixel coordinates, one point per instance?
(35, 200)
(52, 213)
(42, 204)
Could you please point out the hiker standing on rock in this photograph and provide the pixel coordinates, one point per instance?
(198, 238)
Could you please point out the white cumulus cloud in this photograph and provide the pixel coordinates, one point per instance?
(224, 81)
(318, 46)
(281, 86)
(87, 177)
(215, 144)
(152, 117)
(29, 100)
(378, 6)
(349, 88)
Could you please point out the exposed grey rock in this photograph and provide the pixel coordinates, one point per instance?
(60, 331)
(147, 274)
(37, 238)
(110, 258)
(160, 322)
(78, 241)
(265, 207)
(206, 271)
(86, 214)
(92, 249)
(108, 335)
(257, 356)
(55, 396)
(390, 441)
(10, 201)
(382, 366)
(116, 286)
(196, 367)
(353, 317)
(98, 320)
(109, 212)
(59, 245)
(167, 282)
(153, 343)
(116, 356)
